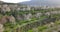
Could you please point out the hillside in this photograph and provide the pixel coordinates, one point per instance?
(42, 3)
(16, 17)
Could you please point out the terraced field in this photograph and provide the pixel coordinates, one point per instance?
(30, 21)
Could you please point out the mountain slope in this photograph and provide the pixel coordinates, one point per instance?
(42, 2)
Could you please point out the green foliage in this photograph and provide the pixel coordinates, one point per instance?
(9, 27)
(57, 22)
(41, 28)
(30, 30)
(1, 15)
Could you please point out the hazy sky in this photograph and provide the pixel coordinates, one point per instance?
(14, 1)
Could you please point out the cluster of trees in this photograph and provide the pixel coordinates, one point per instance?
(10, 27)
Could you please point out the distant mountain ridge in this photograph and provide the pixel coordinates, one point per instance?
(42, 2)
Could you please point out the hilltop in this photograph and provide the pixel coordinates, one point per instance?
(42, 3)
